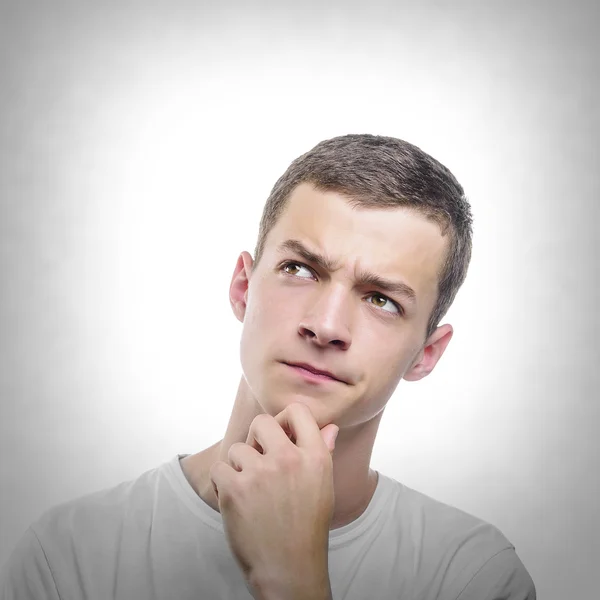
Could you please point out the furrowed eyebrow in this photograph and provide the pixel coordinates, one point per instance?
(365, 278)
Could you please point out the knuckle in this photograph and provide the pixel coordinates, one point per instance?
(316, 460)
(236, 449)
(290, 459)
(262, 418)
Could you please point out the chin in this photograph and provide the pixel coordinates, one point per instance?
(315, 405)
(272, 396)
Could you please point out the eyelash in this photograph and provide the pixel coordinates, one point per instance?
(299, 264)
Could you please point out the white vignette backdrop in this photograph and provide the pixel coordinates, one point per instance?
(139, 141)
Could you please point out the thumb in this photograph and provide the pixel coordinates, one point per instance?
(329, 434)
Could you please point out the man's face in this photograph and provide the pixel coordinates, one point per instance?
(298, 312)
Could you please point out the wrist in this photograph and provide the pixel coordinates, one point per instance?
(280, 587)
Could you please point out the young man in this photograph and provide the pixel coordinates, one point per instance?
(363, 245)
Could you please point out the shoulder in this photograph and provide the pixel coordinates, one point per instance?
(502, 576)
(433, 523)
(98, 513)
(84, 530)
(457, 554)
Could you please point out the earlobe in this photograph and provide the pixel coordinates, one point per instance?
(416, 370)
(429, 356)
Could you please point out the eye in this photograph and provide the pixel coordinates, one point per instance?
(294, 264)
(397, 309)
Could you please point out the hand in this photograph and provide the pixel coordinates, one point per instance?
(276, 500)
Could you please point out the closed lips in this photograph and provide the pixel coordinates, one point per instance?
(315, 370)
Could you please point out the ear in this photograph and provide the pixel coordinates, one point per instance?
(429, 355)
(240, 281)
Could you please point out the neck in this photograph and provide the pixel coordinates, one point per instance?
(353, 480)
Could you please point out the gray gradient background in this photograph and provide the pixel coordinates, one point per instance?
(138, 143)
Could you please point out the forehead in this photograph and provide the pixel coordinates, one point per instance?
(396, 243)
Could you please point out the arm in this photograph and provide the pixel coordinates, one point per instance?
(503, 577)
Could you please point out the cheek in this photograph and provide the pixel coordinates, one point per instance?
(266, 317)
(263, 327)
(275, 314)
(390, 371)
(386, 366)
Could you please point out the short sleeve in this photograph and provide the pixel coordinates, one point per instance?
(26, 574)
(502, 577)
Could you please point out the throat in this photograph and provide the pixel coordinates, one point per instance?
(347, 515)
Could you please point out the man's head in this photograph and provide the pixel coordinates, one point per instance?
(368, 204)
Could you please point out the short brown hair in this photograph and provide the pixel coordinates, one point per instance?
(379, 172)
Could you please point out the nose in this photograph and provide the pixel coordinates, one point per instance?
(327, 323)
(323, 339)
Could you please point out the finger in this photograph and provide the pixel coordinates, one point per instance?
(298, 419)
(330, 433)
(222, 478)
(266, 435)
(242, 456)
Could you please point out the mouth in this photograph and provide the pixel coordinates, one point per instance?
(311, 374)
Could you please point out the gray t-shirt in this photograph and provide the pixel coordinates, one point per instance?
(154, 538)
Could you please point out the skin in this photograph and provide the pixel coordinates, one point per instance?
(276, 499)
(297, 313)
